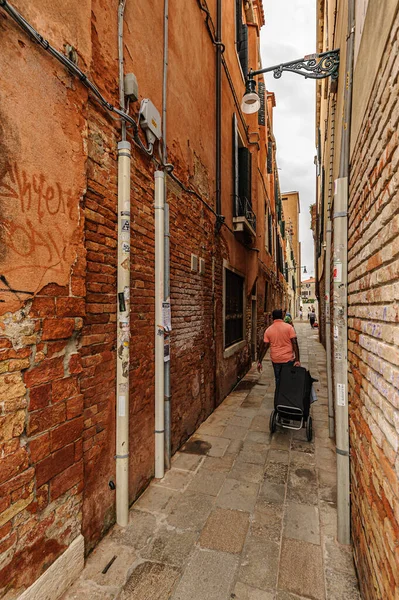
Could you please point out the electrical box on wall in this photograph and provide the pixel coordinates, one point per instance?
(131, 87)
(150, 120)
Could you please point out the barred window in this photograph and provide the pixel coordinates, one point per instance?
(234, 308)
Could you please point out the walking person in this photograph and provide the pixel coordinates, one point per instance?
(300, 313)
(312, 318)
(281, 338)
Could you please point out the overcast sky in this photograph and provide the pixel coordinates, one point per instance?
(290, 33)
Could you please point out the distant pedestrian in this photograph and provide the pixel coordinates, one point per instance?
(288, 319)
(300, 313)
(282, 341)
(312, 318)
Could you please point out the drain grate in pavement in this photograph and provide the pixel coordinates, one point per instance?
(196, 447)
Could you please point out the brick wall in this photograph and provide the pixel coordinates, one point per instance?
(57, 354)
(374, 336)
(41, 423)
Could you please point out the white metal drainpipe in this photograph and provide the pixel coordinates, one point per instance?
(340, 216)
(159, 205)
(123, 336)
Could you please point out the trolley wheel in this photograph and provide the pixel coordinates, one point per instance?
(272, 422)
(309, 429)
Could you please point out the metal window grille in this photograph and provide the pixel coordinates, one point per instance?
(234, 308)
(262, 110)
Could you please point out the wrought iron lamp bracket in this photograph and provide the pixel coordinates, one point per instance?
(313, 66)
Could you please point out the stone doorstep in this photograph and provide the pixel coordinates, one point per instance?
(60, 575)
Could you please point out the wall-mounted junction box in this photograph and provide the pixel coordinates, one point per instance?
(150, 120)
(131, 87)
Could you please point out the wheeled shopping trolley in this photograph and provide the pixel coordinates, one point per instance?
(292, 400)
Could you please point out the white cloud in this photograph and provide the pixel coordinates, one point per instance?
(289, 33)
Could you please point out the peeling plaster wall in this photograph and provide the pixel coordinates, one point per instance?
(58, 191)
(43, 149)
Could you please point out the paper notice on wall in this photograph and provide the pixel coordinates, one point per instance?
(341, 394)
(166, 316)
(335, 332)
(121, 406)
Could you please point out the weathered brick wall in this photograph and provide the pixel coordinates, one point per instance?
(57, 354)
(97, 343)
(41, 423)
(41, 242)
(374, 336)
(192, 339)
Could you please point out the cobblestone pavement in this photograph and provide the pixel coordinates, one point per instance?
(241, 515)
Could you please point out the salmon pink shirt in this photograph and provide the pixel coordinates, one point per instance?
(279, 336)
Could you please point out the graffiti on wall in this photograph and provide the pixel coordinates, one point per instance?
(38, 223)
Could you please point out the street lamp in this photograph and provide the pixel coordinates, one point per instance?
(312, 66)
(295, 268)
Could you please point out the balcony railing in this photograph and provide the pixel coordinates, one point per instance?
(244, 209)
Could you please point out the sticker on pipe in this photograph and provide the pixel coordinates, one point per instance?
(341, 394)
(166, 316)
(125, 247)
(337, 273)
(125, 225)
(121, 406)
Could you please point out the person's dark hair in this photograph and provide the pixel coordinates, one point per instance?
(277, 314)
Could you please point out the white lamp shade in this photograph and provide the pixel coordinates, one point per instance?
(250, 103)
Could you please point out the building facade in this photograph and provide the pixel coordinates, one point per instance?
(368, 82)
(292, 209)
(308, 290)
(60, 330)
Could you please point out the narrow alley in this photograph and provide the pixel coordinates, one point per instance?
(241, 515)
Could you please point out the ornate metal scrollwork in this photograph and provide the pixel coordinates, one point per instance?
(313, 66)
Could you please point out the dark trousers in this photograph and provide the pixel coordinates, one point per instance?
(277, 372)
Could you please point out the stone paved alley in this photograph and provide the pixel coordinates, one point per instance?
(241, 515)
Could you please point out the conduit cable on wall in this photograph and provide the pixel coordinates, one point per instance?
(122, 116)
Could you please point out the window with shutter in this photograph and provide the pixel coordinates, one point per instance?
(242, 178)
(243, 49)
(244, 174)
(266, 298)
(269, 158)
(270, 238)
(241, 38)
(236, 209)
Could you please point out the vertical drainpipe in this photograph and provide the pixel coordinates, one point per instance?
(166, 233)
(330, 392)
(159, 202)
(340, 283)
(123, 305)
(219, 107)
(331, 426)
